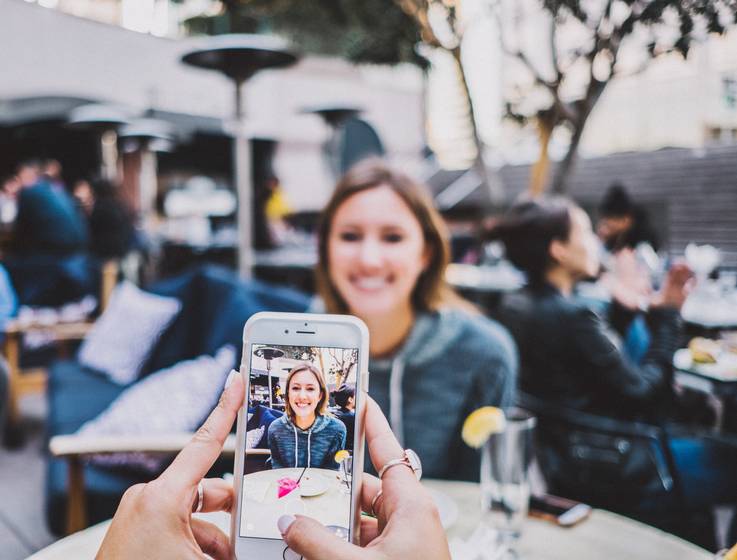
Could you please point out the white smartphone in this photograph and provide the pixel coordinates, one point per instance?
(300, 435)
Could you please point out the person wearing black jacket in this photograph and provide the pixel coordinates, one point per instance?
(568, 353)
(570, 356)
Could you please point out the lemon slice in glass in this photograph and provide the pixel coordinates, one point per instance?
(481, 423)
(732, 554)
(341, 456)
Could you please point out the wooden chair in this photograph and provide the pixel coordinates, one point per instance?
(25, 381)
(75, 448)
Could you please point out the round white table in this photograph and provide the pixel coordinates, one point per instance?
(321, 495)
(604, 535)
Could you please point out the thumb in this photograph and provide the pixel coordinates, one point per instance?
(314, 541)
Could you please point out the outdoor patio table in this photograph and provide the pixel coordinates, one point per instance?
(715, 380)
(603, 535)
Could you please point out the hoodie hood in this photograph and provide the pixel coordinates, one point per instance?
(432, 334)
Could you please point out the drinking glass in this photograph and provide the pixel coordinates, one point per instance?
(505, 483)
(346, 470)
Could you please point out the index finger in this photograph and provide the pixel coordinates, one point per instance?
(193, 462)
(383, 447)
(382, 444)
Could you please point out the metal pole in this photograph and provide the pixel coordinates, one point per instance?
(242, 164)
(268, 373)
(109, 155)
(147, 186)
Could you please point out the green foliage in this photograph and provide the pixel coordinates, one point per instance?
(362, 31)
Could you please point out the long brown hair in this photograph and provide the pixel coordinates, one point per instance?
(431, 292)
(322, 404)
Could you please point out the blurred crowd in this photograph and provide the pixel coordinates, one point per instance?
(54, 235)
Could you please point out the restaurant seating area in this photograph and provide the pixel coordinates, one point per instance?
(517, 238)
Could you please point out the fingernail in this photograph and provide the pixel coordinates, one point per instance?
(284, 522)
(231, 377)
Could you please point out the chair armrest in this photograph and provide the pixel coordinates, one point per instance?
(74, 445)
(60, 331)
(586, 420)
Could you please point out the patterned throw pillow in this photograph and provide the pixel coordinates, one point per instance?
(174, 400)
(124, 336)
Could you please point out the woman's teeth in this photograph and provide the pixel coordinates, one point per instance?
(370, 283)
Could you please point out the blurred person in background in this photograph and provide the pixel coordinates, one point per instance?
(47, 258)
(630, 262)
(9, 190)
(51, 174)
(111, 223)
(47, 222)
(345, 411)
(29, 172)
(433, 358)
(571, 357)
(622, 223)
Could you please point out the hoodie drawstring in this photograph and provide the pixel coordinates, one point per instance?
(395, 398)
(309, 435)
(296, 447)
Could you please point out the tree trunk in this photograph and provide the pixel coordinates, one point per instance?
(539, 172)
(565, 168)
(495, 187)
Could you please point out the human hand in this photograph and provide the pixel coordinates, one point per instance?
(408, 524)
(155, 519)
(629, 283)
(675, 289)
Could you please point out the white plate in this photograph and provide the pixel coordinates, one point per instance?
(725, 369)
(447, 508)
(313, 485)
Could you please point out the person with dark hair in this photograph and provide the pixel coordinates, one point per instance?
(568, 353)
(47, 260)
(622, 223)
(630, 262)
(570, 356)
(345, 400)
(48, 222)
(111, 222)
(383, 253)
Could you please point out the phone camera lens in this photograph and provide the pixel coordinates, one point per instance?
(286, 331)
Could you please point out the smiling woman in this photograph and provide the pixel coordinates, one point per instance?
(433, 358)
(306, 436)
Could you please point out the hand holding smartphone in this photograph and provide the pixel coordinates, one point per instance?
(299, 451)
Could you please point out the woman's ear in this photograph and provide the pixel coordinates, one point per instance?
(557, 251)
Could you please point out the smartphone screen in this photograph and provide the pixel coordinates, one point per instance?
(299, 437)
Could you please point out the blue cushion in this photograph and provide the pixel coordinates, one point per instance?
(215, 306)
(76, 394)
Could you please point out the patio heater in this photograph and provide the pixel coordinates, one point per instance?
(104, 120)
(148, 136)
(269, 354)
(239, 57)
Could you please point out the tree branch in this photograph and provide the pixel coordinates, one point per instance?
(417, 10)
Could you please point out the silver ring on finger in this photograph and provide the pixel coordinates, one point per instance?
(374, 502)
(200, 497)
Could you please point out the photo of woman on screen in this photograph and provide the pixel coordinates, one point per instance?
(307, 435)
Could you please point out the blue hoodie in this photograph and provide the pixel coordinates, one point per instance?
(316, 446)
